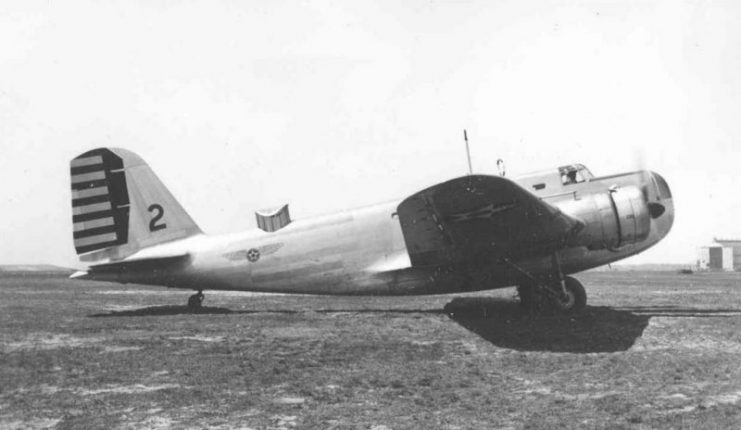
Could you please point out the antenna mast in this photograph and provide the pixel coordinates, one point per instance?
(468, 152)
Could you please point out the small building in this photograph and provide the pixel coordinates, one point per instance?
(735, 246)
(724, 254)
(715, 257)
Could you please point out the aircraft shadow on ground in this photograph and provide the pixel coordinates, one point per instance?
(500, 321)
(163, 311)
(679, 311)
(506, 324)
(205, 310)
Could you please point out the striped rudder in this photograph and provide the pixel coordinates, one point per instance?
(100, 201)
(119, 206)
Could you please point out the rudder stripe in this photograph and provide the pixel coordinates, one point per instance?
(90, 200)
(94, 231)
(86, 169)
(76, 186)
(100, 201)
(92, 215)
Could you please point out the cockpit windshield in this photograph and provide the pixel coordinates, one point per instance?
(574, 174)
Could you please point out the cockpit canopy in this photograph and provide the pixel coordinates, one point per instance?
(574, 174)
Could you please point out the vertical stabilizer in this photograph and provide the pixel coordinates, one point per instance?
(119, 206)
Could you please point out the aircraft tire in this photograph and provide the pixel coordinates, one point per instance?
(576, 299)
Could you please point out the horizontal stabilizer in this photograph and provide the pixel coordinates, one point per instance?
(152, 264)
(150, 268)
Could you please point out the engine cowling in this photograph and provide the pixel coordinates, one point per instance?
(612, 219)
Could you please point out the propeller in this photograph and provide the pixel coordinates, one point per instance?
(655, 208)
(639, 158)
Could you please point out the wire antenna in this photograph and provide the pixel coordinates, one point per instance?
(468, 152)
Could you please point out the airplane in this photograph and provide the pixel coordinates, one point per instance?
(470, 233)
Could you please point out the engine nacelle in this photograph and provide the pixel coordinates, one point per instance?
(612, 219)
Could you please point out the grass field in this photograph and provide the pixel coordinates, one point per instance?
(652, 350)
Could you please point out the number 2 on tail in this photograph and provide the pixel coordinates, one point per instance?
(158, 213)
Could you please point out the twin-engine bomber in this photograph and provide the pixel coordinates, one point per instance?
(475, 232)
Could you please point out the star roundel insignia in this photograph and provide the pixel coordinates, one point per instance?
(253, 255)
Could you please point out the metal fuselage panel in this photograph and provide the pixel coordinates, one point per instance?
(362, 252)
(359, 252)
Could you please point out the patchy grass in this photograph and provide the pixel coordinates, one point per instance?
(653, 350)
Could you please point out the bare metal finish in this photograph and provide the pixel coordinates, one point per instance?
(475, 232)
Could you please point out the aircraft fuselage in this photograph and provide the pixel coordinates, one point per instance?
(363, 251)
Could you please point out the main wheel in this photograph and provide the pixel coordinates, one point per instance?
(575, 298)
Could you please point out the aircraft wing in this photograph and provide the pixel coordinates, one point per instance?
(479, 219)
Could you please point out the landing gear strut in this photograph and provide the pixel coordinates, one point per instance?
(557, 291)
(195, 301)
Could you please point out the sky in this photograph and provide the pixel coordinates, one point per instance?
(330, 105)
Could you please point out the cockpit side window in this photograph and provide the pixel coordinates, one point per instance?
(574, 174)
(585, 173)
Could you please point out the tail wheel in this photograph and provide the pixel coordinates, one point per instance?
(573, 299)
(195, 301)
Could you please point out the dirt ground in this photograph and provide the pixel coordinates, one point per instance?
(652, 350)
